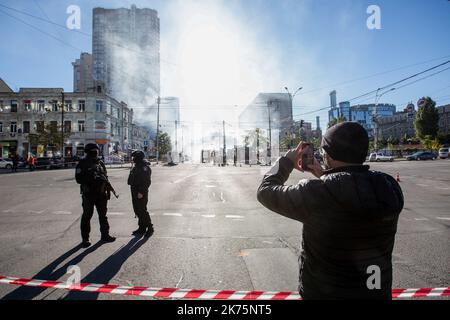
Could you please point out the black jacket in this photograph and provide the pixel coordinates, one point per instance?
(91, 174)
(349, 219)
(140, 177)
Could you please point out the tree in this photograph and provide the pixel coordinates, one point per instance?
(427, 142)
(337, 120)
(164, 143)
(436, 145)
(427, 119)
(50, 137)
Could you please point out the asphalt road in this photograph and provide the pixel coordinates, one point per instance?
(211, 233)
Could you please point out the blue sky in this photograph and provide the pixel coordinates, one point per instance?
(264, 45)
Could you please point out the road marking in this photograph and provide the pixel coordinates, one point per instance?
(442, 188)
(420, 219)
(37, 212)
(172, 214)
(210, 186)
(62, 212)
(442, 218)
(422, 185)
(116, 213)
(187, 177)
(230, 216)
(208, 215)
(221, 197)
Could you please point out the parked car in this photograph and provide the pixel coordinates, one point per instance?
(43, 163)
(378, 157)
(422, 155)
(56, 163)
(5, 163)
(444, 153)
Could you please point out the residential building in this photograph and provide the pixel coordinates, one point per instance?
(83, 80)
(90, 117)
(126, 53)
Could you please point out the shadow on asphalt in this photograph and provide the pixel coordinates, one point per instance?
(49, 273)
(106, 271)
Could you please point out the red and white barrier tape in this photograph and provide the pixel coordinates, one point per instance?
(199, 294)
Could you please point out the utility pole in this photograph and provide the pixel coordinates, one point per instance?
(257, 146)
(176, 139)
(224, 156)
(269, 146)
(157, 131)
(62, 125)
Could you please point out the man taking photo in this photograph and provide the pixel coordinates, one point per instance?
(349, 216)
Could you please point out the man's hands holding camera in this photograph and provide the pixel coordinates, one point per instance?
(296, 156)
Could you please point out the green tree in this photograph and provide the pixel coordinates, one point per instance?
(50, 137)
(427, 119)
(427, 142)
(436, 145)
(164, 143)
(336, 121)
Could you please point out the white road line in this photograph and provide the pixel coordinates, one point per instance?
(116, 213)
(230, 216)
(221, 197)
(422, 185)
(172, 214)
(208, 215)
(442, 218)
(37, 212)
(442, 188)
(62, 212)
(420, 219)
(210, 186)
(184, 178)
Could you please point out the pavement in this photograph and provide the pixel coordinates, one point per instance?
(210, 231)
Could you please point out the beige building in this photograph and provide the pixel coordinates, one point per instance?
(89, 117)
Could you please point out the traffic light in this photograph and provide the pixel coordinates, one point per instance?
(301, 123)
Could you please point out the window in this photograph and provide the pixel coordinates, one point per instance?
(55, 106)
(39, 126)
(67, 126)
(1, 127)
(99, 106)
(13, 105)
(41, 105)
(68, 105)
(26, 127)
(53, 126)
(27, 105)
(13, 127)
(80, 125)
(81, 105)
(1, 105)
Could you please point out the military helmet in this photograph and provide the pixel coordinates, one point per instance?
(91, 146)
(138, 155)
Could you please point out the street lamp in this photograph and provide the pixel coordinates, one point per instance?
(291, 97)
(375, 117)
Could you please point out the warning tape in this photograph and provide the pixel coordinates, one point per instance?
(177, 293)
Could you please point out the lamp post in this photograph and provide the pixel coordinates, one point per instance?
(291, 97)
(375, 117)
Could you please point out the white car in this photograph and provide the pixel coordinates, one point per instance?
(444, 153)
(378, 157)
(5, 163)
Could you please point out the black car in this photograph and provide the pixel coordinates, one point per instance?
(423, 155)
(56, 163)
(43, 163)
